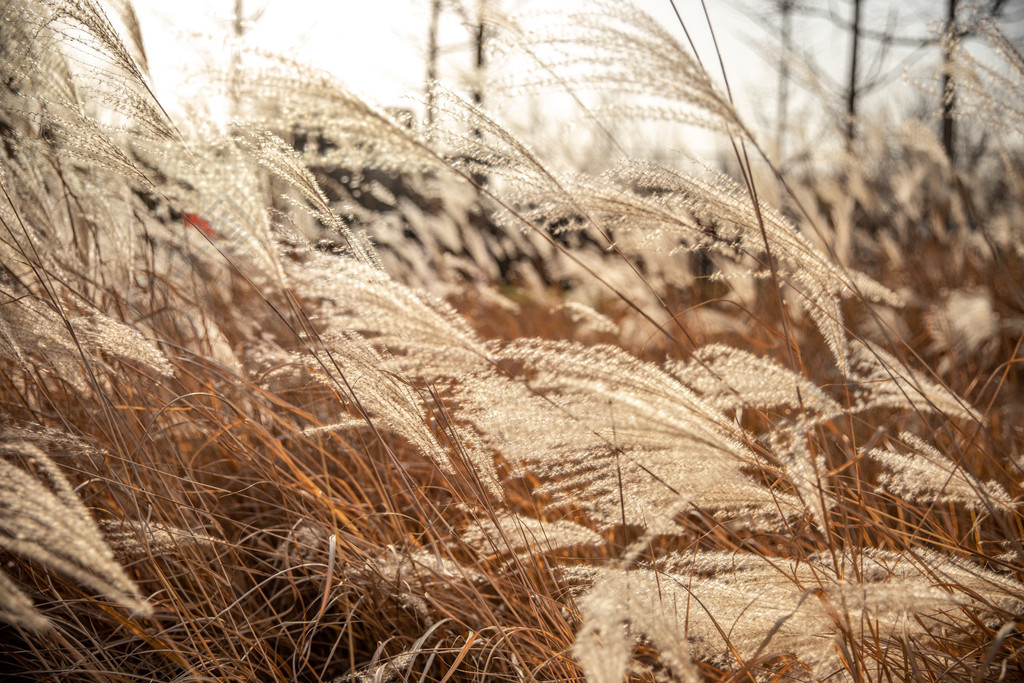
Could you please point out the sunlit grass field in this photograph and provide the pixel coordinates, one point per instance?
(326, 394)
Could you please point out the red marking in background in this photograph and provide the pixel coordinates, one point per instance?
(201, 223)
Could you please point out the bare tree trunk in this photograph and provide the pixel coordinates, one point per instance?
(478, 83)
(237, 31)
(948, 92)
(480, 63)
(238, 26)
(851, 90)
(781, 114)
(435, 15)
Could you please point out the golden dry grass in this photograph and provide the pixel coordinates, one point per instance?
(711, 439)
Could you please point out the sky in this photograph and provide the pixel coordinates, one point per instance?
(378, 47)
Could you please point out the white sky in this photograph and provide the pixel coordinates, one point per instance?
(377, 47)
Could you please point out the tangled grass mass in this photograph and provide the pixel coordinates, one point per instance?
(326, 395)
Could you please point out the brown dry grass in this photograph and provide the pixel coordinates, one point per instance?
(312, 472)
